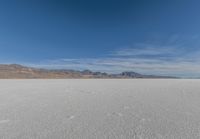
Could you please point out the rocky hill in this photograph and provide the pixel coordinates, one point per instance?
(15, 71)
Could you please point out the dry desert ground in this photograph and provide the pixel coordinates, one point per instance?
(100, 109)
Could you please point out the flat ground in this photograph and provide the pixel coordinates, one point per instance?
(100, 109)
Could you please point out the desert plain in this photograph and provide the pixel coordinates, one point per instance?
(100, 109)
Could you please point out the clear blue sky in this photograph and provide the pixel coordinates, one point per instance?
(152, 37)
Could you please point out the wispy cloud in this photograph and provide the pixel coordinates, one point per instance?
(142, 49)
(171, 58)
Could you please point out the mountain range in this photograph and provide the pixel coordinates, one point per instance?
(15, 71)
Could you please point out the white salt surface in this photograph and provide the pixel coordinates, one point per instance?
(100, 109)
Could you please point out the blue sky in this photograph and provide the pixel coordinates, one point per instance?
(150, 37)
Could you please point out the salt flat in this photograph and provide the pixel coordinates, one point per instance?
(100, 109)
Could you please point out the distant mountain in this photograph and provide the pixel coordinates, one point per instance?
(15, 71)
(131, 74)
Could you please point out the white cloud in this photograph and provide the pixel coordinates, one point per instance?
(171, 58)
(116, 65)
(142, 49)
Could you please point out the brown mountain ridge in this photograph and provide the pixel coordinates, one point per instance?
(15, 71)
